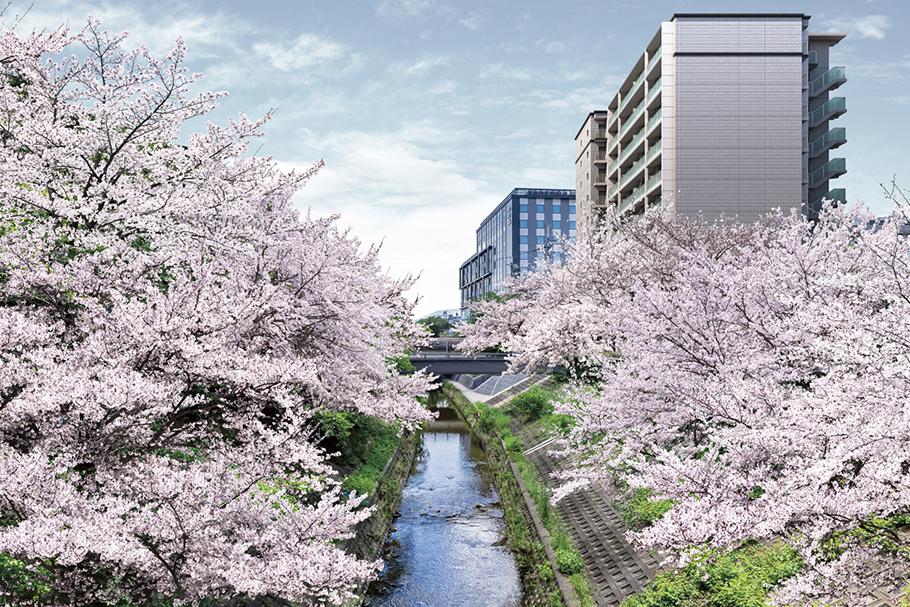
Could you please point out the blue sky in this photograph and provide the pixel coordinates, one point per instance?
(428, 112)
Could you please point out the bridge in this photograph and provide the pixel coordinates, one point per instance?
(440, 357)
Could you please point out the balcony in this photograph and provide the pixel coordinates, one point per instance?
(813, 58)
(611, 192)
(632, 90)
(600, 179)
(653, 60)
(837, 195)
(630, 147)
(654, 90)
(635, 115)
(600, 155)
(653, 180)
(654, 119)
(600, 134)
(828, 81)
(631, 201)
(634, 171)
(612, 147)
(834, 107)
(830, 170)
(834, 138)
(654, 151)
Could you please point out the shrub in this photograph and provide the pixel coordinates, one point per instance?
(568, 561)
(545, 572)
(638, 510)
(534, 403)
(514, 444)
(740, 578)
(493, 421)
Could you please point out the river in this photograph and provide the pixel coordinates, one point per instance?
(447, 548)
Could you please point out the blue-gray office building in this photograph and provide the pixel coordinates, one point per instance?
(525, 228)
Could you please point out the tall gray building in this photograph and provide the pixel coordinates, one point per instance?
(523, 229)
(722, 114)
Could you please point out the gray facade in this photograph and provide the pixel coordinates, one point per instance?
(523, 229)
(716, 117)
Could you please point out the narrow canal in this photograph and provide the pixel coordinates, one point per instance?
(447, 548)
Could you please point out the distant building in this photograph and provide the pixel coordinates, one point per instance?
(451, 315)
(522, 230)
(723, 114)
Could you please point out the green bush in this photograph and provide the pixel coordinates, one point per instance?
(513, 444)
(545, 572)
(17, 581)
(569, 562)
(493, 421)
(740, 578)
(638, 510)
(534, 403)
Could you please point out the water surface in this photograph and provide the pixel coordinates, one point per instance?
(447, 546)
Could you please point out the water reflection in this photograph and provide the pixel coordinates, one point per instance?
(446, 548)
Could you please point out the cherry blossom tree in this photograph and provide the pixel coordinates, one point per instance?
(169, 327)
(757, 375)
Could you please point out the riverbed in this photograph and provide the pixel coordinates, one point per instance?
(447, 547)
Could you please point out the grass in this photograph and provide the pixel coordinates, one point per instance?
(740, 578)
(366, 476)
(639, 510)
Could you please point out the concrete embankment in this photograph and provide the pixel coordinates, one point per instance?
(543, 584)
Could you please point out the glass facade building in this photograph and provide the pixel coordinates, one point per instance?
(524, 229)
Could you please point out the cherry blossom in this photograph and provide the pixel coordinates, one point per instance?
(758, 375)
(169, 326)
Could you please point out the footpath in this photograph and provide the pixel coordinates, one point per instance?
(615, 568)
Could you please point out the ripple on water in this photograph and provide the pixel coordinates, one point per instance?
(447, 546)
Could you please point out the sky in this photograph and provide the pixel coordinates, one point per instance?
(428, 112)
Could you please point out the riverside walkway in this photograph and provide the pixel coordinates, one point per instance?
(615, 568)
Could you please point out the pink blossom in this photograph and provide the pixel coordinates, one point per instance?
(169, 325)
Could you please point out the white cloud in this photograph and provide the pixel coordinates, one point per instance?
(552, 46)
(403, 7)
(505, 72)
(472, 21)
(306, 51)
(868, 26)
(204, 34)
(388, 190)
(549, 178)
(443, 88)
(421, 66)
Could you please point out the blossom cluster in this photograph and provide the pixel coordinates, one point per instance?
(169, 326)
(756, 374)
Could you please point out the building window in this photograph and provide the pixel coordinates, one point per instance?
(540, 208)
(557, 210)
(571, 225)
(540, 223)
(557, 224)
(522, 208)
(523, 255)
(522, 223)
(571, 209)
(522, 240)
(540, 240)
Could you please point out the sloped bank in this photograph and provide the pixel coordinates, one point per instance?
(542, 583)
(372, 533)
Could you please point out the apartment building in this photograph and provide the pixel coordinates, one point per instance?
(722, 114)
(523, 229)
